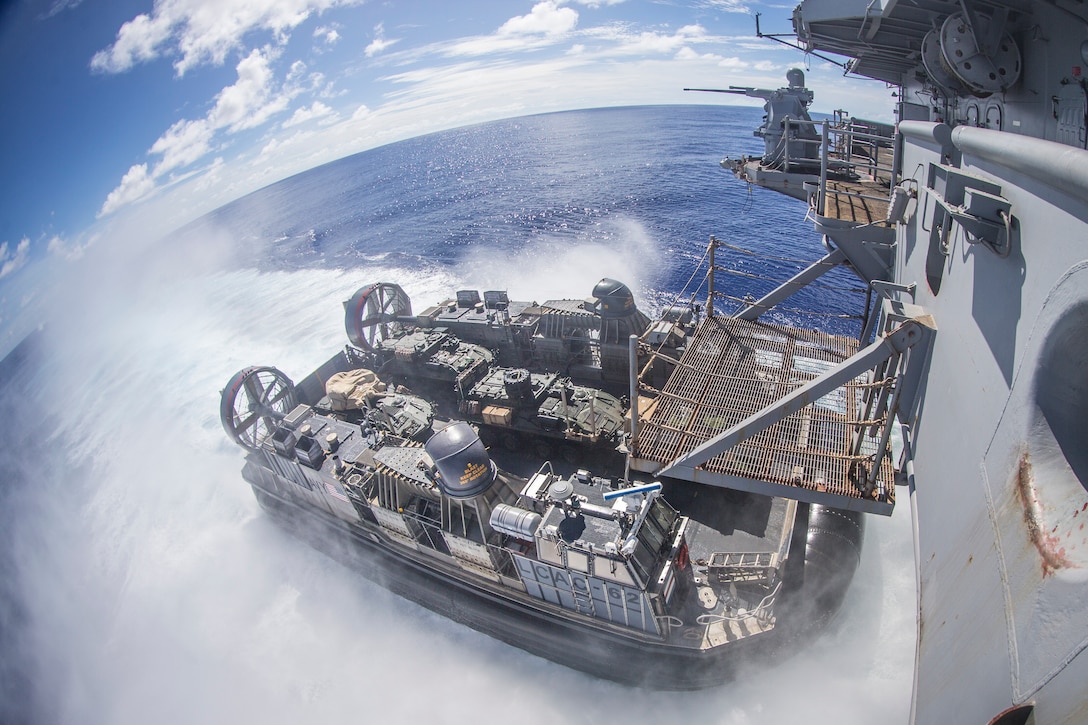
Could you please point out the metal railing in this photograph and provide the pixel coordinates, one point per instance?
(847, 148)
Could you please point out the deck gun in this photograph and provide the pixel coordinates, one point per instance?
(788, 132)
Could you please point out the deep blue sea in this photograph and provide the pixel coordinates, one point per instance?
(635, 181)
(139, 580)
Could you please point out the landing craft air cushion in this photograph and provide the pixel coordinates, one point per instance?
(655, 581)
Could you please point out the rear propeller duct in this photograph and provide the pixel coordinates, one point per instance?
(373, 314)
(254, 402)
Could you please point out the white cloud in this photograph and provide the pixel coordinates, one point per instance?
(377, 46)
(752, 43)
(297, 72)
(68, 250)
(328, 33)
(211, 175)
(136, 184)
(489, 44)
(138, 41)
(732, 63)
(326, 90)
(729, 6)
(379, 43)
(301, 115)
(654, 42)
(277, 145)
(445, 91)
(687, 53)
(597, 3)
(203, 32)
(182, 144)
(546, 24)
(269, 147)
(12, 262)
(249, 102)
(61, 5)
(546, 18)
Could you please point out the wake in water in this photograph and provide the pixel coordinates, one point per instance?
(150, 587)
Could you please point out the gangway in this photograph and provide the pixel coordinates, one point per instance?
(781, 411)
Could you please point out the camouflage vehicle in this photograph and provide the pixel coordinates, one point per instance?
(544, 411)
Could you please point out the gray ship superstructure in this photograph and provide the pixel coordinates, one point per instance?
(969, 226)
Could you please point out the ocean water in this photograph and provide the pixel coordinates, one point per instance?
(641, 185)
(139, 580)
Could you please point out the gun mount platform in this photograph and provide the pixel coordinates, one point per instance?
(861, 202)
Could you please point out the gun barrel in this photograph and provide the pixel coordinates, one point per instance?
(717, 90)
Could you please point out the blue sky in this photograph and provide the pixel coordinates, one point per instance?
(165, 110)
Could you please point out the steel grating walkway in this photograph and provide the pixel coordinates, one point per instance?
(734, 368)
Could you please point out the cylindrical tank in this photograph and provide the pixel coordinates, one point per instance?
(677, 313)
(512, 521)
(464, 468)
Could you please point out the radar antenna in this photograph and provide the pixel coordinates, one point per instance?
(373, 313)
(254, 402)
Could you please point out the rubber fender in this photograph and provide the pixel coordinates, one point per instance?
(832, 555)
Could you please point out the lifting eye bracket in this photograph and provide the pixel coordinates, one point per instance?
(976, 205)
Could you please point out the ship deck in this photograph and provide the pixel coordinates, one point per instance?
(862, 202)
(733, 369)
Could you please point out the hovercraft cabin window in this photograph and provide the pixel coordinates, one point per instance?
(652, 537)
(664, 515)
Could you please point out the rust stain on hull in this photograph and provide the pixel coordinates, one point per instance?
(1048, 545)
